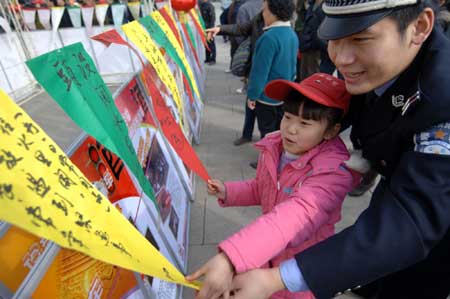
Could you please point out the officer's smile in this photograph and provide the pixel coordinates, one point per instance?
(352, 77)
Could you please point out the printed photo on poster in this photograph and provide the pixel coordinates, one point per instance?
(103, 169)
(140, 216)
(73, 275)
(19, 253)
(171, 195)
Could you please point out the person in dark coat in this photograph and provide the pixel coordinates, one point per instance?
(396, 63)
(443, 17)
(314, 55)
(209, 16)
(232, 19)
(252, 29)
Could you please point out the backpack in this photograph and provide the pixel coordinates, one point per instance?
(241, 58)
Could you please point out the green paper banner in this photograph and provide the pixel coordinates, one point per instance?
(72, 80)
(162, 39)
(191, 35)
(200, 18)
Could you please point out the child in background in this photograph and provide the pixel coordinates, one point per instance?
(301, 182)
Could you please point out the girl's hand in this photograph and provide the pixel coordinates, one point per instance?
(216, 188)
(218, 273)
(212, 32)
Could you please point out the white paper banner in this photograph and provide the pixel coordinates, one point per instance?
(118, 11)
(88, 15)
(134, 8)
(57, 13)
(44, 18)
(100, 13)
(29, 17)
(75, 16)
(5, 25)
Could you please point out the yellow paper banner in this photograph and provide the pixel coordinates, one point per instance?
(156, 15)
(140, 37)
(42, 192)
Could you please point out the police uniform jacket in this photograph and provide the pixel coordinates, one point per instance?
(405, 134)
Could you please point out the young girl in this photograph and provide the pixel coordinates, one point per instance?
(300, 183)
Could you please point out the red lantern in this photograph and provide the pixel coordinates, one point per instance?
(183, 5)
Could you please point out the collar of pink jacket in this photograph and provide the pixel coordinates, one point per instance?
(272, 144)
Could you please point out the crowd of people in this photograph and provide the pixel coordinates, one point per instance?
(314, 69)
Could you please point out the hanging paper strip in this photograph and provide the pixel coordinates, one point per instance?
(188, 89)
(118, 12)
(140, 37)
(57, 13)
(75, 16)
(44, 17)
(145, 8)
(70, 77)
(173, 132)
(45, 194)
(165, 13)
(135, 9)
(100, 13)
(161, 33)
(200, 30)
(29, 18)
(88, 16)
(198, 17)
(189, 37)
(113, 37)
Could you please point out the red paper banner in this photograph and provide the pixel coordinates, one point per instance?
(200, 30)
(188, 89)
(172, 26)
(171, 129)
(113, 37)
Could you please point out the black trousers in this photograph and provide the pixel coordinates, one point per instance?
(428, 279)
(268, 118)
(211, 53)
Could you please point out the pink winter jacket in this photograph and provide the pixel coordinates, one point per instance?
(300, 205)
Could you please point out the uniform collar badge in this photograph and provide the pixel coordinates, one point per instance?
(412, 99)
(398, 101)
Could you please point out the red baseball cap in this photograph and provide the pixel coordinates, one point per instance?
(321, 88)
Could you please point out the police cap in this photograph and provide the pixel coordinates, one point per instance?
(346, 17)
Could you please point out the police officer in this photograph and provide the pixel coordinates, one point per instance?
(396, 63)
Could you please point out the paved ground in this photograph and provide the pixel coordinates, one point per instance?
(222, 123)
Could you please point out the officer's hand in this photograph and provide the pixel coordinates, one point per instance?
(218, 275)
(257, 284)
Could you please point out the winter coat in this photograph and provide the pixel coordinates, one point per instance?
(252, 29)
(405, 231)
(308, 39)
(443, 19)
(300, 205)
